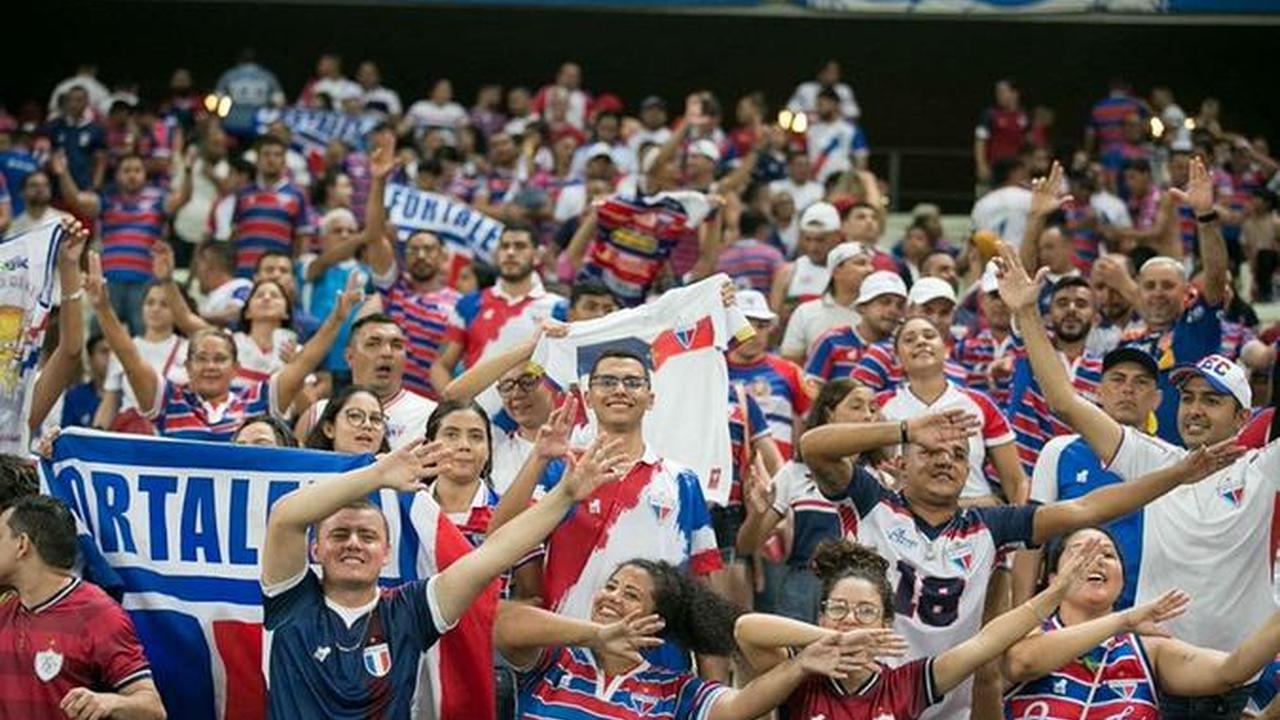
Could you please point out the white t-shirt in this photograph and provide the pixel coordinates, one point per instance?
(1211, 539)
(510, 451)
(230, 295)
(805, 99)
(257, 364)
(426, 113)
(802, 195)
(157, 355)
(813, 318)
(903, 404)
(1004, 212)
(407, 414)
(1111, 208)
(808, 279)
(384, 96)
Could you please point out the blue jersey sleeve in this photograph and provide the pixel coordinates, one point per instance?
(1011, 526)
(408, 607)
(283, 608)
(864, 490)
(1198, 332)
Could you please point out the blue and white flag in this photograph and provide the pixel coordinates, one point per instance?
(312, 130)
(457, 224)
(182, 524)
(28, 282)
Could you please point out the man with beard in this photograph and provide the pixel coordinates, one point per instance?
(495, 318)
(1071, 314)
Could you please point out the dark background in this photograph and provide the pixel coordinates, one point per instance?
(921, 83)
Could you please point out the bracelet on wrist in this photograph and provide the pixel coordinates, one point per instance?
(73, 296)
(1211, 216)
(902, 432)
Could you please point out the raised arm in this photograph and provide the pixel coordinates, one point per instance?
(442, 369)
(485, 373)
(1213, 249)
(284, 553)
(174, 201)
(765, 639)
(143, 378)
(1185, 669)
(290, 378)
(1047, 195)
(184, 318)
(1040, 654)
(953, 666)
(84, 203)
(379, 252)
(1021, 294)
(710, 241)
(459, 584)
(581, 240)
(552, 442)
(64, 365)
(1110, 502)
(138, 700)
(522, 631)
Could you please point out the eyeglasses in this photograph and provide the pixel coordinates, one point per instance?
(864, 613)
(202, 359)
(527, 383)
(609, 383)
(356, 416)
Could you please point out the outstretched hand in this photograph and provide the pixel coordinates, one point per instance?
(1199, 192)
(73, 245)
(351, 297)
(95, 285)
(162, 262)
(1075, 572)
(552, 440)
(1047, 193)
(827, 657)
(1018, 290)
(940, 429)
(383, 160)
(1209, 459)
(629, 637)
(405, 468)
(603, 461)
(1145, 619)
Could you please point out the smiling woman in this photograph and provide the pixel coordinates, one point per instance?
(352, 422)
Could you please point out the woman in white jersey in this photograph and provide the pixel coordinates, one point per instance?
(159, 344)
(1089, 663)
(264, 342)
(352, 422)
(264, 431)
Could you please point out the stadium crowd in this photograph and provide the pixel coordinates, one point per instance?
(1027, 472)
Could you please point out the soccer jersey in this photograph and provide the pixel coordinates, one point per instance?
(1004, 212)
(168, 357)
(78, 638)
(892, 693)
(815, 518)
(636, 235)
(747, 425)
(976, 353)
(809, 281)
(256, 364)
(940, 573)
(831, 147)
(778, 388)
(835, 354)
(1081, 227)
(1068, 468)
(1196, 333)
(1113, 680)
(406, 411)
(881, 370)
(1107, 117)
(324, 660)
(424, 318)
(656, 511)
(566, 684)
(229, 296)
(130, 226)
(1196, 535)
(490, 321)
(180, 412)
(903, 404)
(751, 264)
(1004, 131)
(1033, 422)
(266, 218)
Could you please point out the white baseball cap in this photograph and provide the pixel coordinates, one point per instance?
(881, 282)
(706, 148)
(930, 288)
(990, 279)
(599, 149)
(754, 305)
(1222, 374)
(820, 217)
(844, 251)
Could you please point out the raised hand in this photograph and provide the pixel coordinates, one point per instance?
(552, 440)
(628, 637)
(1018, 290)
(1209, 459)
(1145, 619)
(827, 657)
(162, 261)
(1199, 192)
(694, 114)
(874, 643)
(602, 462)
(383, 160)
(405, 468)
(1047, 193)
(352, 295)
(760, 490)
(1075, 572)
(74, 243)
(289, 350)
(939, 429)
(58, 163)
(95, 285)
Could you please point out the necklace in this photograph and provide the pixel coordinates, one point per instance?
(360, 642)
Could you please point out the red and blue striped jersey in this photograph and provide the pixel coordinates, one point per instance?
(566, 684)
(634, 239)
(880, 369)
(751, 264)
(1188, 228)
(1145, 209)
(491, 321)
(1113, 680)
(747, 424)
(267, 219)
(424, 318)
(181, 413)
(777, 386)
(130, 226)
(835, 354)
(1234, 337)
(1034, 424)
(1081, 227)
(976, 353)
(1108, 115)
(657, 511)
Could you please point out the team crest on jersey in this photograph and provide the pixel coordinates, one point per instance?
(1059, 687)
(760, 387)
(377, 659)
(1124, 688)
(662, 501)
(643, 703)
(960, 556)
(1231, 489)
(48, 663)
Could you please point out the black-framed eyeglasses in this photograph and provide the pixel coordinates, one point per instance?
(527, 383)
(864, 613)
(609, 383)
(356, 416)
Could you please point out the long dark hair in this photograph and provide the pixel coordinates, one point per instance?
(288, 305)
(836, 560)
(833, 392)
(317, 440)
(284, 435)
(695, 617)
(449, 407)
(1052, 557)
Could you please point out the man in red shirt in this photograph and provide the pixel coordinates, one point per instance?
(66, 648)
(1001, 132)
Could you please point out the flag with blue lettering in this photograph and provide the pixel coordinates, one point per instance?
(311, 131)
(463, 229)
(27, 285)
(182, 524)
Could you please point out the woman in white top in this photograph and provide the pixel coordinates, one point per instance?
(264, 342)
(160, 345)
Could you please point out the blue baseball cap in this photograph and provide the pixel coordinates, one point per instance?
(1221, 373)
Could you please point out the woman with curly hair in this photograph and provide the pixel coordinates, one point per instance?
(857, 610)
(573, 669)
